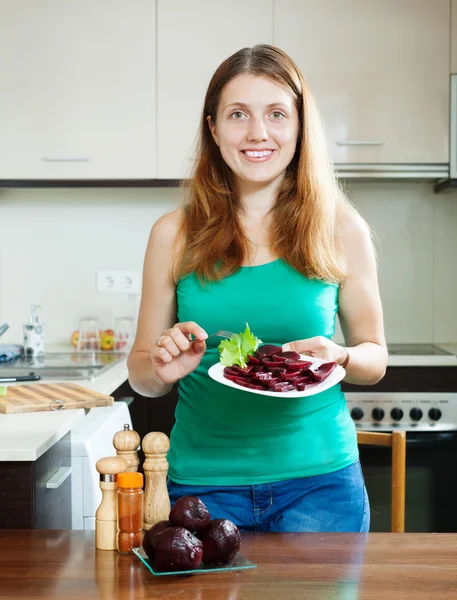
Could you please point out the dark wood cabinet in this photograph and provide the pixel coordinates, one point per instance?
(26, 502)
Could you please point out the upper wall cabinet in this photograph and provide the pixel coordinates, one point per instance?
(379, 71)
(78, 90)
(193, 39)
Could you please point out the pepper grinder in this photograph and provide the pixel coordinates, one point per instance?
(106, 515)
(126, 443)
(156, 500)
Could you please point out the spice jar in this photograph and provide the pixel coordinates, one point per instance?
(129, 511)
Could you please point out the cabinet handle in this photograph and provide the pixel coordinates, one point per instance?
(360, 143)
(58, 478)
(65, 159)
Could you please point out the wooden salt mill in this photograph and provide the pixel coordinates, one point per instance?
(106, 515)
(126, 443)
(156, 500)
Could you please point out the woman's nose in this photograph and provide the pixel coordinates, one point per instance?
(257, 130)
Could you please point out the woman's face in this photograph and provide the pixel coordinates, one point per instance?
(256, 128)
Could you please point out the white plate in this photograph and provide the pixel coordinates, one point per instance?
(216, 372)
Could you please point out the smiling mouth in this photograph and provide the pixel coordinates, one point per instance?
(257, 155)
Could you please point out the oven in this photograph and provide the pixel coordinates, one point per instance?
(418, 396)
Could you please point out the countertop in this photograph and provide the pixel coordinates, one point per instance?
(26, 436)
(38, 564)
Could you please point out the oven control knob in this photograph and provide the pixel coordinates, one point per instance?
(434, 414)
(396, 414)
(377, 414)
(357, 414)
(415, 414)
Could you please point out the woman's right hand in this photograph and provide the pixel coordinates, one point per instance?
(173, 356)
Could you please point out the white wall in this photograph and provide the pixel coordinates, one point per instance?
(52, 242)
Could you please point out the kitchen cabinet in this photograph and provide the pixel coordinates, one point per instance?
(78, 90)
(379, 72)
(37, 494)
(193, 39)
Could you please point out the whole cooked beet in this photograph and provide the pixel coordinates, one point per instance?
(189, 512)
(221, 541)
(177, 550)
(150, 537)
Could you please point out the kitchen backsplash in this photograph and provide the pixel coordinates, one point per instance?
(53, 241)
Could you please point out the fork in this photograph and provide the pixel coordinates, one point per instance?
(220, 333)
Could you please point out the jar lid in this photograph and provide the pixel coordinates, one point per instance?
(130, 480)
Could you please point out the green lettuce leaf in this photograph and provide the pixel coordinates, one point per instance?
(235, 350)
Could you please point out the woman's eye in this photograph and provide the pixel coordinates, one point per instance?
(278, 114)
(237, 114)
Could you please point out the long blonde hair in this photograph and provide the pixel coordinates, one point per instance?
(304, 214)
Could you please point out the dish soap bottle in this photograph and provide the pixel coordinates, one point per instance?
(34, 334)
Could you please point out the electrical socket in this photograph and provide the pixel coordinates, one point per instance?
(110, 281)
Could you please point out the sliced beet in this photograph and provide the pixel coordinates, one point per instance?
(254, 386)
(252, 360)
(288, 387)
(261, 376)
(243, 372)
(289, 354)
(296, 364)
(271, 364)
(278, 358)
(289, 375)
(301, 379)
(230, 371)
(267, 350)
(278, 370)
(244, 381)
(323, 371)
(274, 381)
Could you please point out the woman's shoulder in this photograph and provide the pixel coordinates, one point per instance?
(350, 227)
(353, 234)
(167, 226)
(165, 232)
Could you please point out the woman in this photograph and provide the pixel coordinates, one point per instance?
(265, 237)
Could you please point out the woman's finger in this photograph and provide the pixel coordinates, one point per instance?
(180, 339)
(167, 342)
(161, 355)
(192, 327)
(313, 344)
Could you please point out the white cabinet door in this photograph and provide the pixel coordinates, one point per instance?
(379, 71)
(77, 86)
(193, 39)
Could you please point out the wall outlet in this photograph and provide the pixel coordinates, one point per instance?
(110, 281)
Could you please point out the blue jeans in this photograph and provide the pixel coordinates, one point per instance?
(336, 501)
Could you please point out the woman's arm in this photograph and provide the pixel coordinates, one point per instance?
(360, 310)
(158, 306)
(162, 353)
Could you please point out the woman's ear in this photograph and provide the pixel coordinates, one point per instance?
(212, 128)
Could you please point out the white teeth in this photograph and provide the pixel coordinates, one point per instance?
(255, 154)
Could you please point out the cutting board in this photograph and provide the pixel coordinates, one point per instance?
(36, 397)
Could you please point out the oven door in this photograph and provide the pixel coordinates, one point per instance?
(431, 482)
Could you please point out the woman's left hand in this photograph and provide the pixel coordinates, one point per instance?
(318, 347)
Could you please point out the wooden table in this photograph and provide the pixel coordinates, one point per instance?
(65, 564)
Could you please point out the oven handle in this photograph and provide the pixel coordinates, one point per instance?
(424, 438)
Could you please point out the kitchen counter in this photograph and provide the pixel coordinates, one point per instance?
(26, 436)
(65, 564)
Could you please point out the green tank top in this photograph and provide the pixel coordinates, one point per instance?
(223, 436)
